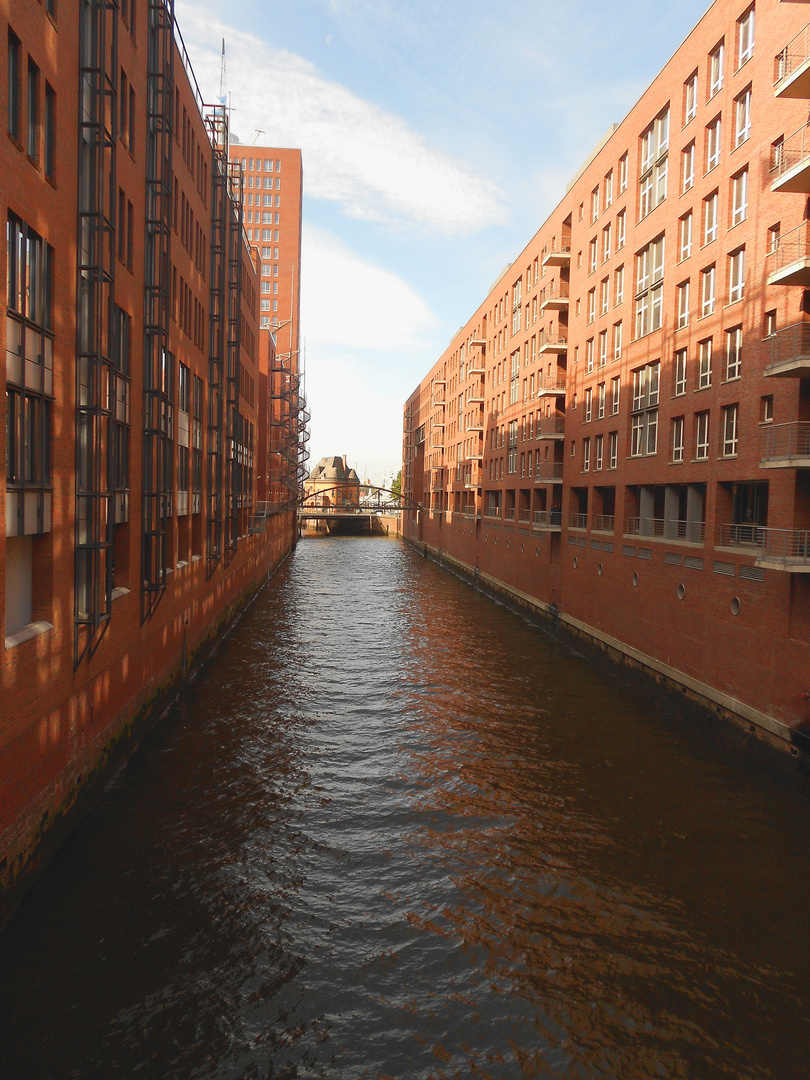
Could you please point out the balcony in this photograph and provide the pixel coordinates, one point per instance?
(547, 521)
(687, 532)
(493, 512)
(525, 517)
(475, 398)
(474, 423)
(549, 472)
(553, 384)
(551, 344)
(790, 352)
(557, 257)
(509, 513)
(787, 446)
(790, 162)
(604, 523)
(470, 511)
(550, 427)
(775, 549)
(788, 263)
(578, 521)
(556, 299)
(791, 67)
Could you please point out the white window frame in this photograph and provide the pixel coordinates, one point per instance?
(690, 98)
(704, 364)
(614, 449)
(710, 218)
(681, 360)
(745, 37)
(677, 438)
(702, 425)
(686, 236)
(716, 64)
(683, 305)
(739, 197)
(736, 275)
(623, 172)
(742, 114)
(615, 394)
(617, 341)
(733, 353)
(714, 143)
(731, 430)
(688, 167)
(618, 286)
(621, 229)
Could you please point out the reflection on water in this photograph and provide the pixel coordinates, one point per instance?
(395, 831)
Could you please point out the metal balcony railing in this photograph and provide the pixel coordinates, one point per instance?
(559, 341)
(509, 513)
(791, 546)
(790, 153)
(492, 512)
(525, 516)
(787, 441)
(693, 532)
(604, 523)
(579, 521)
(547, 519)
(550, 425)
(792, 247)
(790, 343)
(548, 470)
(791, 58)
(552, 383)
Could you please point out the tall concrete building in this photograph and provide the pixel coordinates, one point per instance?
(137, 383)
(620, 433)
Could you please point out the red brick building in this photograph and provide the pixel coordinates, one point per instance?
(620, 434)
(272, 193)
(139, 397)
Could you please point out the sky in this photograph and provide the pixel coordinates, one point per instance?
(437, 135)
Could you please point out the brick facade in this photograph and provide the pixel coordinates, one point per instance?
(619, 434)
(141, 402)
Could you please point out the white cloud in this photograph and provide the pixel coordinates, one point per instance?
(355, 153)
(351, 303)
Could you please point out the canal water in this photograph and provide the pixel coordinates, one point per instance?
(393, 830)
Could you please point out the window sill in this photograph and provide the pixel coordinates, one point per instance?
(26, 633)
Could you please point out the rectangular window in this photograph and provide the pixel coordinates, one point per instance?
(644, 422)
(617, 341)
(614, 449)
(606, 243)
(592, 256)
(677, 438)
(604, 296)
(618, 285)
(586, 454)
(710, 205)
(739, 197)
(713, 143)
(32, 128)
(608, 189)
(14, 54)
(588, 405)
(594, 204)
(687, 167)
(50, 131)
(621, 229)
(704, 364)
(707, 278)
(591, 305)
(734, 353)
(690, 89)
(730, 430)
(683, 305)
(701, 436)
(745, 38)
(615, 393)
(589, 354)
(686, 236)
(680, 372)
(603, 348)
(742, 115)
(599, 455)
(649, 287)
(654, 144)
(716, 58)
(736, 276)
(600, 409)
(622, 173)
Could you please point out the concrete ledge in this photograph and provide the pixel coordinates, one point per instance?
(32, 630)
(781, 734)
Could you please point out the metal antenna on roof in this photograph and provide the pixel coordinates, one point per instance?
(222, 79)
(259, 131)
